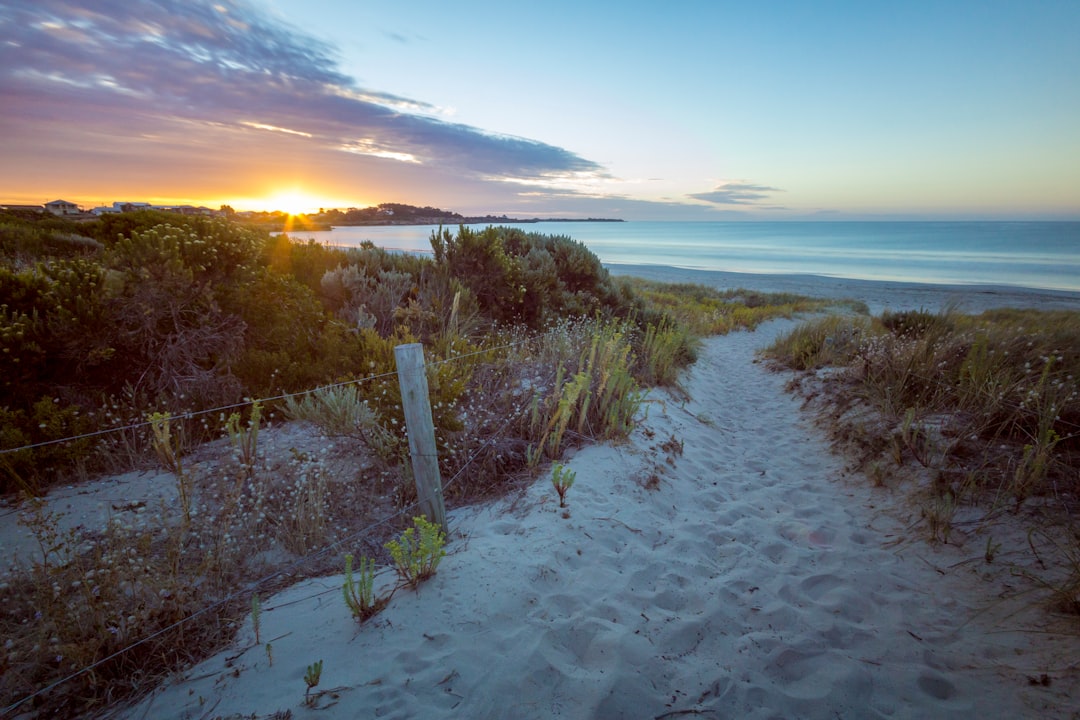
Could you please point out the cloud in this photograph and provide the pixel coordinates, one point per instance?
(736, 193)
(113, 72)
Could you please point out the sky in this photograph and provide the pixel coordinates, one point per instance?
(685, 110)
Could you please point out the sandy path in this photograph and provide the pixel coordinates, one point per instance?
(755, 582)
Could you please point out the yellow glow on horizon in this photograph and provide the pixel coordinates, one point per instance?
(294, 202)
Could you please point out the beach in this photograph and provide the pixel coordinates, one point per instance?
(878, 295)
(721, 563)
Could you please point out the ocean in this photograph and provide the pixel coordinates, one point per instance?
(1040, 255)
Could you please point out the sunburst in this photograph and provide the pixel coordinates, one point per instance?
(293, 202)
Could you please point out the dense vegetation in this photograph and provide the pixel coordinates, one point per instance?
(104, 322)
(133, 325)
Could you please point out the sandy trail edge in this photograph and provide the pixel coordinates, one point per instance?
(754, 583)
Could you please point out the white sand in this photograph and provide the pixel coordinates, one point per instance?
(756, 582)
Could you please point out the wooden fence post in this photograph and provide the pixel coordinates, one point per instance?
(412, 377)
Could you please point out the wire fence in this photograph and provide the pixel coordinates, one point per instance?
(252, 587)
(190, 415)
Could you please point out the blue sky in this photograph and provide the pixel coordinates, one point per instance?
(683, 110)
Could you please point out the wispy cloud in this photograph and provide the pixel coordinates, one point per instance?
(366, 146)
(114, 70)
(736, 193)
(272, 128)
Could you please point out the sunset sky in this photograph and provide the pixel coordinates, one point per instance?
(683, 110)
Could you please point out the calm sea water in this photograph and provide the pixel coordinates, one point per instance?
(1025, 254)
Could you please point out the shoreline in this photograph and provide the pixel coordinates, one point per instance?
(879, 295)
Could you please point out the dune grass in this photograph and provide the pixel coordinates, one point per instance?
(1007, 379)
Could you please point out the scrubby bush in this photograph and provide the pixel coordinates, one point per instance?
(527, 277)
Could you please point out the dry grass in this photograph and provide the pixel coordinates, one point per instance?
(987, 406)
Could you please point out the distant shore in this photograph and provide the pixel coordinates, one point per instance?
(877, 294)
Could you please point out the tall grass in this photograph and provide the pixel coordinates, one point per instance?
(595, 397)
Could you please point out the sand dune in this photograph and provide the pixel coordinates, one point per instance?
(745, 577)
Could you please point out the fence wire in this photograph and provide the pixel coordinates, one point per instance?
(253, 586)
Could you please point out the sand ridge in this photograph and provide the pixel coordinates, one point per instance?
(754, 581)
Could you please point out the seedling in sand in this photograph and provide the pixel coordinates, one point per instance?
(256, 612)
(916, 439)
(168, 449)
(360, 593)
(562, 479)
(245, 440)
(312, 676)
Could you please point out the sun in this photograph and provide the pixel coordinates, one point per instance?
(293, 202)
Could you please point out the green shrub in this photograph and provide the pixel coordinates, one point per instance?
(417, 551)
(480, 261)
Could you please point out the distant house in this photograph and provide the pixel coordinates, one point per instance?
(62, 207)
(105, 210)
(131, 206)
(188, 210)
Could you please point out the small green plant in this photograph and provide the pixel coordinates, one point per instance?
(991, 551)
(270, 654)
(418, 551)
(562, 479)
(168, 446)
(245, 440)
(256, 612)
(340, 412)
(360, 593)
(939, 515)
(876, 472)
(916, 439)
(532, 456)
(312, 676)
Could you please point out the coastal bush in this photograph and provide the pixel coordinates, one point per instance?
(829, 340)
(26, 237)
(528, 278)
(480, 261)
(338, 411)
